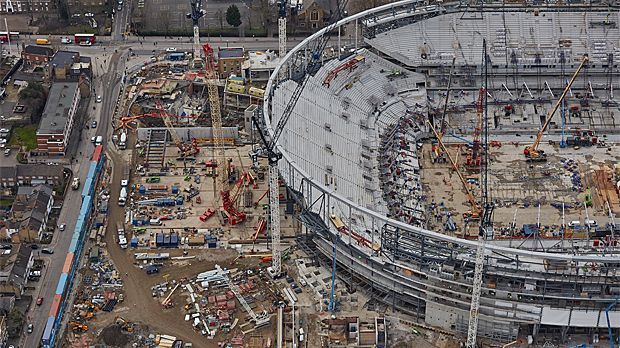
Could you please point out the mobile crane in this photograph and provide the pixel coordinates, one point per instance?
(531, 152)
(476, 210)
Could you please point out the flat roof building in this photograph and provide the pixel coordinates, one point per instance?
(58, 119)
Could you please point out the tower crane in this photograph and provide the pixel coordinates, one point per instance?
(531, 152)
(234, 216)
(474, 158)
(307, 69)
(282, 28)
(486, 222)
(195, 15)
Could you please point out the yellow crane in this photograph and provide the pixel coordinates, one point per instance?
(531, 152)
(474, 212)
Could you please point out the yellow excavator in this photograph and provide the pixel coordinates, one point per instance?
(531, 152)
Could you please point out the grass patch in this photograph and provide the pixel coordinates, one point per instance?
(6, 202)
(25, 136)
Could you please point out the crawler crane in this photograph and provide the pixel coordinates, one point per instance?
(531, 152)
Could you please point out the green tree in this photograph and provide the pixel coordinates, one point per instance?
(233, 16)
(63, 9)
(34, 96)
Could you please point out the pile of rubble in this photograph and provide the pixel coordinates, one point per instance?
(102, 290)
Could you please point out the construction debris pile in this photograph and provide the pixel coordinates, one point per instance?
(101, 290)
(220, 300)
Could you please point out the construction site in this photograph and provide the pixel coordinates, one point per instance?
(406, 190)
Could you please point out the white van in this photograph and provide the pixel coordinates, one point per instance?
(155, 222)
(574, 223)
(591, 223)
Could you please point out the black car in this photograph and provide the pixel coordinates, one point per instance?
(6, 246)
(47, 251)
(34, 247)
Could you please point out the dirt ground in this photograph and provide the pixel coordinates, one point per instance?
(518, 187)
(138, 305)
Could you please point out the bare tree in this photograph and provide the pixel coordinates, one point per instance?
(220, 17)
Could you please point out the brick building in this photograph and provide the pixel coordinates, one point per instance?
(37, 55)
(58, 119)
(230, 61)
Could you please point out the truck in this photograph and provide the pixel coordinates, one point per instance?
(75, 184)
(122, 197)
(98, 140)
(120, 229)
(122, 143)
(42, 41)
(125, 179)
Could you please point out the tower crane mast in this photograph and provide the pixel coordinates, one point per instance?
(282, 28)
(308, 68)
(195, 15)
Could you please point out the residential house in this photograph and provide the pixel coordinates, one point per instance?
(15, 266)
(58, 119)
(30, 211)
(37, 55)
(230, 61)
(316, 14)
(69, 66)
(31, 175)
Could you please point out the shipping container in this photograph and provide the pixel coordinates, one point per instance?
(174, 240)
(62, 284)
(134, 242)
(92, 170)
(97, 153)
(167, 240)
(56, 302)
(86, 190)
(159, 239)
(68, 262)
(46, 340)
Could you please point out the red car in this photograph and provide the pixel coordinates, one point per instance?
(39, 301)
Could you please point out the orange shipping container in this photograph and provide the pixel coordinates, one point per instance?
(55, 306)
(68, 261)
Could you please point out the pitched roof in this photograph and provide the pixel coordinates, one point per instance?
(39, 170)
(230, 52)
(39, 50)
(8, 172)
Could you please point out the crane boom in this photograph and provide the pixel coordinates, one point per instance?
(270, 145)
(475, 206)
(532, 151)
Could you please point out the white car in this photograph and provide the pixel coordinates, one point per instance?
(171, 49)
(98, 99)
(3, 141)
(89, 14)
(4, 130)
(66, 40)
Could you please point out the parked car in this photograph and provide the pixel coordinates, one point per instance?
(30, 328)
(171, 49)
(93, 125)
(47, 251)
(7, 152)
(34, 247)
(62, 227)
(98, 99)
(39, 301)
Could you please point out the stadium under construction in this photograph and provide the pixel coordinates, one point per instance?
(362, 158)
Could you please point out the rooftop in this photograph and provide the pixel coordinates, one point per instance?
(230, 52)
(65, 58)
(54, 118)
(39, 50)
(37, 170)
(263, 60)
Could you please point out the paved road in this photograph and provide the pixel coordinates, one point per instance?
(121, 21)
(108, 82)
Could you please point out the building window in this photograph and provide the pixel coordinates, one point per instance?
(314, 16)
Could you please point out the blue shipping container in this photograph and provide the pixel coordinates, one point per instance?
(166, 240)
(174, 240)
(212, 245)
(47, 333)
(159, 239)
(62, 284)
(134, 242)
(87, 186)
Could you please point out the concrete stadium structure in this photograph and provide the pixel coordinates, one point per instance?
(333, 165)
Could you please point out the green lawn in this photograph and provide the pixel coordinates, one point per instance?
(25, 136)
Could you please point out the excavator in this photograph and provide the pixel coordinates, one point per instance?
(531, 152)
(475, 211)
